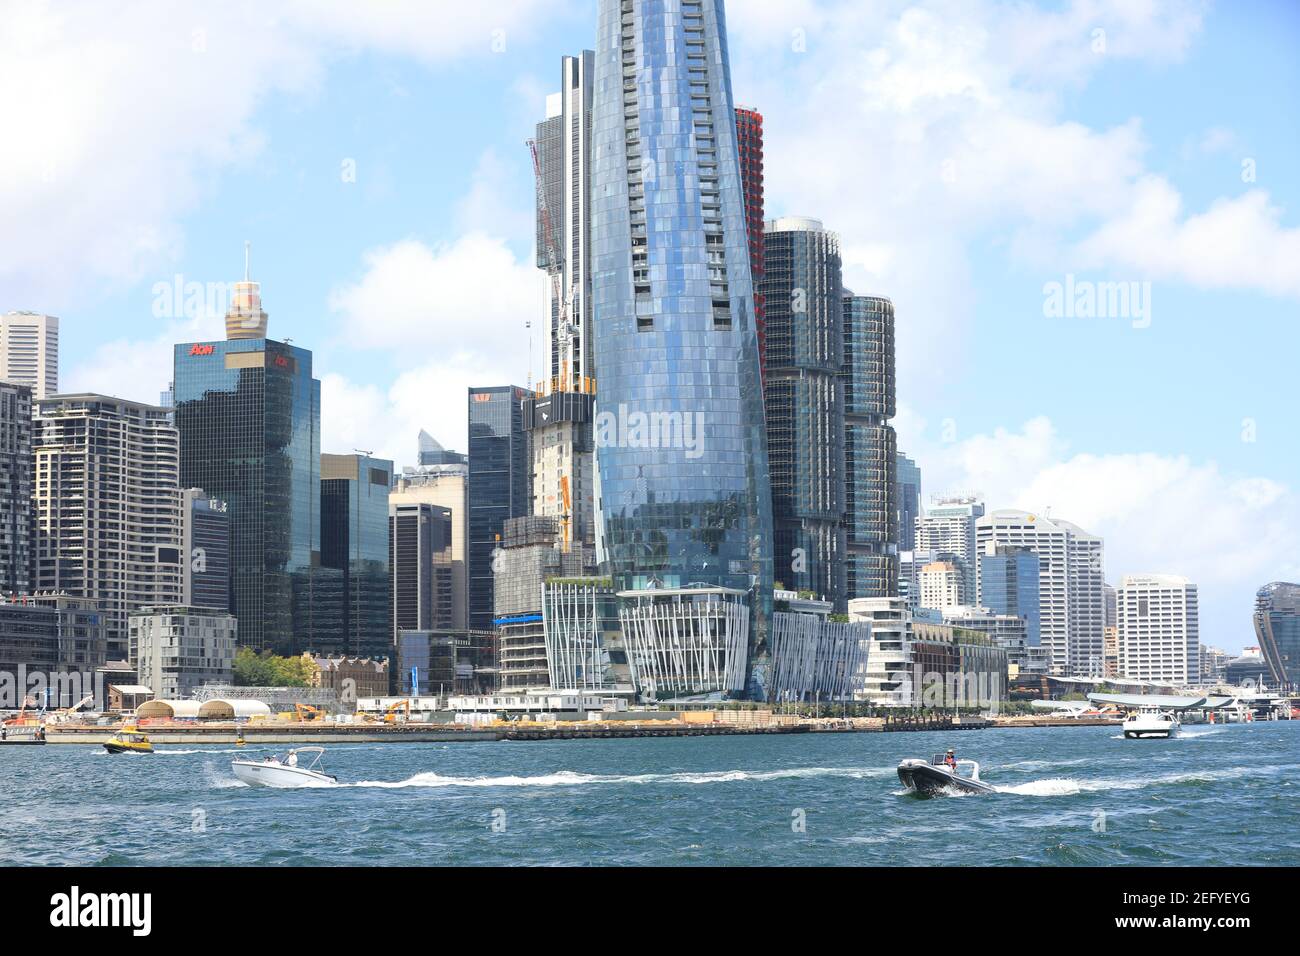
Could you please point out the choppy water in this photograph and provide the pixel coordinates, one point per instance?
(1072, 796)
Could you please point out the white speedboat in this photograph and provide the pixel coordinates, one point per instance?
(1151, 722)
(284, 772)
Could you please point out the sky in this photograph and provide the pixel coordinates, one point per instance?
(991, 167)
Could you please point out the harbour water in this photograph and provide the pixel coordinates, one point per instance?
(1218, 795)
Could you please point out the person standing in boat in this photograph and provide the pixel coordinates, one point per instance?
(950, 760)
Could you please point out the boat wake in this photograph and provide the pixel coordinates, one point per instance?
(568, 778)
(1066, 786)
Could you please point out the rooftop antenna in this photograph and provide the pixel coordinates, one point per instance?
(248, 251)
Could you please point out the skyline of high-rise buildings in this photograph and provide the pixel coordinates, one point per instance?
(733, 329)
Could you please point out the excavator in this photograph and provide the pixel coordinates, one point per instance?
(390, 715)
(302, 713)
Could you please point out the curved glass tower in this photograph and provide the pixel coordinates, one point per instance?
(681, 447)
(1277, 625)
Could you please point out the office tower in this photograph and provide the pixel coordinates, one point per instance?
(354, 541)
(205, 550)
(870, 447)
(248, 412)
(500, 480)
(805, 402)
(445, 487)
(108, 506)
(559, 416)
(1072, 605)
(941, 585)
(908, 476)
(176, 650)
(16, 519)
(1277, 625)
(749, 147)
(948, 529)
(420, 540)
(681, 444)
(1087, 604)
(530, 555)
(432, 453)
(1159, 633)
(1009, 580)
(29, 351)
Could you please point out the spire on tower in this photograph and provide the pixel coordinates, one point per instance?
(248, 247)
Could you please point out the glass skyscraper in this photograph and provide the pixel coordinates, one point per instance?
(870, 447)
(680, 439)
(908, 477)
(500, 484)
(1277, 625)
(1009, 579)
(804, 397)
(354, 541)
(248, 413)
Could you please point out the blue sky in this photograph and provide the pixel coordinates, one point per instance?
(968, 153)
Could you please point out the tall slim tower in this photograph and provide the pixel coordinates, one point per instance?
(17, 537)
(804, 398)
(680, 436)
(559, 417)
(500, 485)
(870, 447)
(749, 143)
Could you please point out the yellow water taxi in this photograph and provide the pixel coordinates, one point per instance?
(128, 740)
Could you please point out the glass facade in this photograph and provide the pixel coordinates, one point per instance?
(1277, 625)
(749, 143)
(248, 413)
(207, 551)
(354, 541)
(804, 398)
(870, 447)
(1009, 585)
(500, 484)
(908, 479)
(680, 440)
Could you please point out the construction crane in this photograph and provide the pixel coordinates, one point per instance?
(563, 331)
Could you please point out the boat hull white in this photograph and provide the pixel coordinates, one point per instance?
(278, 775)
(1153, 728)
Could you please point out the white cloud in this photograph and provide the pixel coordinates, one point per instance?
(1229, 533)
(472, 295)
(139, 369)
(127, 113)
(1237, 243)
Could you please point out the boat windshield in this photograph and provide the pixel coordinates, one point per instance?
(968, 768)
